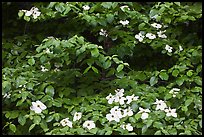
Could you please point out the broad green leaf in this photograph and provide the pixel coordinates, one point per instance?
(137, 116)
(179, 81)
(43, 59)
(36, 119)
(95, 52)
(158, 132)
(21, 119)
(49, 118)
(110, 18)
(31, 61)
(116, 60)
(144, 129)
(153, 81)
(120, 67)
(43, 125)
(158, 125)
(60, 7)
(149, 123)
(141, 26)
(93, 130)
(94, 69)
(107, 4)
(26, 18)
(31, 127)
(86, 70)
(175, 72)
(20, 13)
(12, 127)
(188, 101)
(50, 90)
(163, 75)
(107, 64)
(189, 73)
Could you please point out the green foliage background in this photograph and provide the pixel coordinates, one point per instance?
(92, 66)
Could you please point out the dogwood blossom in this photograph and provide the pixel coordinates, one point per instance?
(77, 116)
(43, 69)
(170, 112)
(66, 122)
(86, 7)
(174, 91)
(161, 35)
(156, 25)
(124, 7)
(180, 48)
(117, 111)
(126, 22)
(140, 37)
(150, 36)
(34, 11)
(89, 124)
(144, 113)
(112, 117)
(127, 127)
(127, 112)
(38, 106)
(131, 98)
(168, 48)
(110, 98)
(161, 105)
(103, 33)
(7, 95)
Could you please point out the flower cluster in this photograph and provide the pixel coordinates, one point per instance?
(33, 11)
(126, 22)
(161, 105)
(38, 106)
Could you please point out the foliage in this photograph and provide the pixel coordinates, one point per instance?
(72, 55)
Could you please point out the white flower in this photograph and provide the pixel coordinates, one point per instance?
(66, 122)
(161, 35)
(143, 110)
(127, 126)
(120, 99)
(168, 48)
(131, 98)
(174, 91)
(77, 116)
(89, 124)
(110, 98)
(180, 48)
(7, 95)
(43, 69)
(28, 13)
(119, 92)
(155, 25)
(126, 22)
(38, 106)
(124, 7)
(56, 69)
(33, 11)
(140, 37)
(170, 112)
(103, 33)
(144, 115)
(161, 105)
(86, 7)
(127, 112)
(116, 111)
(112, 117)
(150, 36)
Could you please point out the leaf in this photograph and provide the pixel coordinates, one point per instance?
(107, 5)
(107, 64)
(20, 13)
(158, 125)
(49, 118)
(31, 61)
(189, 73)
(163, 75)
(60, 7)
(158, 132)
(43, 125)
(31, 127)
(141, 26)
(179, 81)
(43, 59)
(86, 70)
(120, 67)
(21, 119)
(93, 130)
(95, 52)
(12, 127)
(26, 18)
(110, 18)
(175, 72)
(137, 116)
(149, 123)
(94, 69)
(144, 129)
(153, 81)
(188, 101)
(36, 119)
(50, 90)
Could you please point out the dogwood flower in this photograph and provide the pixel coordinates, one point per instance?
(112, 117)
(103, 33)
(168, 48)
(110, 98)
(124, 7)
(174, 91)
(7, 95)
(43, 69)
(117, 111)
(170, 112)
(77, 116)
(120, 99)
(140, 37)
(38, 106)
(157, 26)
(161, 35)
(66, 122)
(161, 105)
(127, 112)
(89, 124)
(180, 48)
(127, 127)
(126, 22)
(86, 7)
(150, 36)
(144, 113)
(34, 11)
(131, 98)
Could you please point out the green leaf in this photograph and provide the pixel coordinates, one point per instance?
(175, 72)
(94, 69)
(138, 116)
(20, 13)
(6, 86)
(141, 26)
(179, 81)
(95, 52)
(93, 130)
(110, 18)
(120, 67)
(107, 5)
(86, 70)
(158, 125)
(184, 17)
(158, 132)
(189, 73)
(60, 7)
(26, 18)
(153, 81)
(132, 120)
(43, 59)
(116, 60)
(31, 61)
(50, 90)
(12, 127)
(119, 74)
(107, 64)
(21, 119)
(43, 125)
(49, 118)
(163, 75)
(36, 119)
(31, 127)
(144, 129)
(188, 101)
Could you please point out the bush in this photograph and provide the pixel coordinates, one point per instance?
(103, 68)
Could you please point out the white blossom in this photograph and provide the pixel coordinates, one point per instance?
(66, 122)
(180, 48)
(34, 11)
(126, 22)
(168, 48)
(43, 69)
(86, 7)
(127, 112)
(144, 113)
(103, 33)
(150, 36)
(28, 13)
(117, 111)
(174, 91)
(120, 99)
(124, 7)
(161, 35)
(38, 106)
(161, 105)
(127, 127)
(131, 98)
(77, 116)
(89, 124)
(156, 25)
(7, 95)
(113, 117)
(140, 37)
(110, 98)
(170, 112)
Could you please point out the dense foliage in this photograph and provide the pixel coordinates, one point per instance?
(104, 68)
